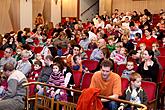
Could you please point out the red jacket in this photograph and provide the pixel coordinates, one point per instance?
(88, 100)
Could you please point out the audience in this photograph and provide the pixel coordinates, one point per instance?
(126, 38)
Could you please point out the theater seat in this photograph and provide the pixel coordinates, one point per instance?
(124, 84)
(151, 90)
(162, 51)
(86, 81)
(90, 64)
(77, 76)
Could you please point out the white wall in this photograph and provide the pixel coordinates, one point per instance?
(25, 14)
(85, 4)
(55, 12)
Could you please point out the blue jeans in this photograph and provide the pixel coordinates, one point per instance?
(111, 105)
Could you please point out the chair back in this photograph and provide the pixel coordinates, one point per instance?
(162, 51)
(38, 49)
(1, 53)
(120, 69)
(124, 84)
(161, 60)
(90, 64)
(86, 81)
(77, 76)
(88, 52)
(150, 88)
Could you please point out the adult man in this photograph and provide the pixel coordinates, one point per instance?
(7, 58)
(100, 52)
(13, 98)
(84, 42)
(108, 82)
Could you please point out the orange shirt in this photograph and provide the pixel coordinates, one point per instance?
(108, 88)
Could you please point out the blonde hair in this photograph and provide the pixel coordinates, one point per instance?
(25, 53)
(134, 76)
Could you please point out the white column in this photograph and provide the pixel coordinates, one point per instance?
(26, 14)
(55, 11)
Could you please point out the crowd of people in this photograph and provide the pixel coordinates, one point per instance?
(128, 38)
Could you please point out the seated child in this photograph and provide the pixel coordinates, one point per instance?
(129, 70)
(155, 49)
(37, 69)
(57, 79)
(121, 58)
(134, 92)
(38, 56)
(77, 64)
(111, 44)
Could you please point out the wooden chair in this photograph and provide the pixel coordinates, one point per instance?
(65, 105)
(43, 102)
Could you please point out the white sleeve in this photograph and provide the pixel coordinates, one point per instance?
(67, 78)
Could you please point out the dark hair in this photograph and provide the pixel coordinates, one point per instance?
(50, 57)
(60, 61)
(149, 30)
(107, 63)
(75, 58)
(78, 46)
(37, 62)
(138, 35)
(39, 14)
(8, 67)
(131, 24)
(60, 66)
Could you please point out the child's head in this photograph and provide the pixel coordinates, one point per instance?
(19, 50)
(155, 46)
(137, 36)
(123, 51)
(111, 40)
(77, 59)
(57, 67)
(25, 55)
(130, 65)
(118, 46)
(37, 65)
(38, 56)
(142, 46)
(135, 80)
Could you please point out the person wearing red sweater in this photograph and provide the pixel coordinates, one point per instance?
(148, 39)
